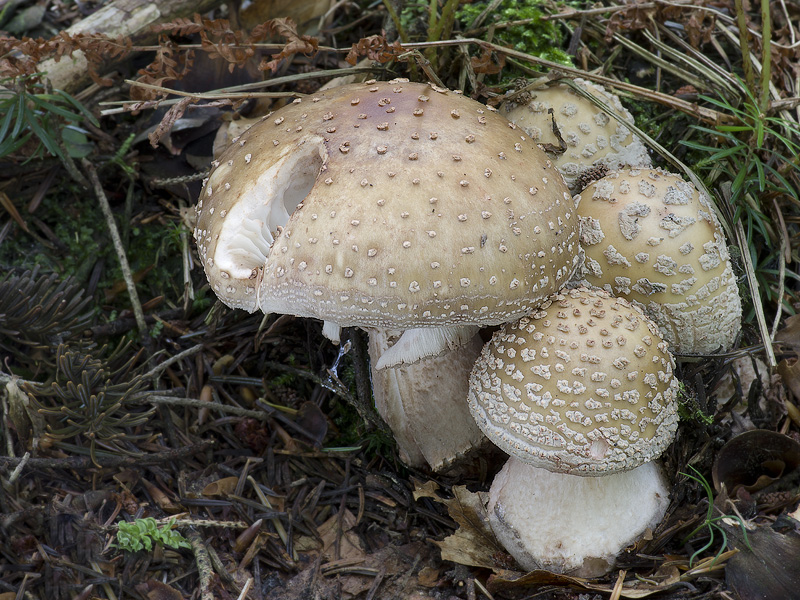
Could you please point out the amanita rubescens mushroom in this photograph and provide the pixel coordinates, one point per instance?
(388, 205)
(652, 238)
(582, 387)
(592, 137)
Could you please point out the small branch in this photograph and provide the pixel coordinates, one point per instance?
(204, 569)
(766, 56)
(123, 258)
(158, 369)
(86, 462)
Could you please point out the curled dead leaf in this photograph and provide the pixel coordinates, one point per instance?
(755, 459)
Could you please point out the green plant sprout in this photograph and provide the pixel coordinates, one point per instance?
(28, 110)
(143, 533)
(711, 522)
(689, 408)
(755, 153)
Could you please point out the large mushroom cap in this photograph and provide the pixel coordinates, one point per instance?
(653, 238)
(592, 137)
(584, 385)
(386, 204)
(569, 524)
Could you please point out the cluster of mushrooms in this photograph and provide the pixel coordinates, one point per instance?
(423, 217)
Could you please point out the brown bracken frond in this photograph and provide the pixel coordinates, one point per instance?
(21, 56)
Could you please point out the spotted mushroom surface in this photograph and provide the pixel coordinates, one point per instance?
(653, 238)
(584, 385)
(386, 204)
(592, 137)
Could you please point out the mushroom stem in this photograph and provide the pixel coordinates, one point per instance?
(425, 404)
(332, 331)
(417, 344)
(571, 524)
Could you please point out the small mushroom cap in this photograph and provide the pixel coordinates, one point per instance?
(654, 239)
(574, 525)
(389, 205)
(591, 135)
(584, 385)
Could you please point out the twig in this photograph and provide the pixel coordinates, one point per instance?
(703, 113)
(148, 397)
(784, 234)
(158, 369)
(204, 569)
(766, 54)
(86, 462)
(123, 259)
(744, 44)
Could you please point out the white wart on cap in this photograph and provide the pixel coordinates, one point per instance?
(592, 137)
(584, 385)
(654, 239)
(388, 205)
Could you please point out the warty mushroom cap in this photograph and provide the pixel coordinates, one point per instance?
(584, 385)
(388, 205)
(654, 239)
(573, 525)
(592, 136)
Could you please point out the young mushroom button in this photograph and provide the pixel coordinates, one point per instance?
(387, 205)
(584, 386)
(653, 238)
(590, 136)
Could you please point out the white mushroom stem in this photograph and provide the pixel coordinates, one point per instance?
(332, 331)
(571, 524)
(429, 342)
(425, 404)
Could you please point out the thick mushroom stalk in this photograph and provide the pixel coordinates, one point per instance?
(570, 524)
(424, 403)
(387, 205)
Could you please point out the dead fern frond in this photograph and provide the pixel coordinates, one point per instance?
(39, 310)
(22, 56)
(218, 40)
(374, 47)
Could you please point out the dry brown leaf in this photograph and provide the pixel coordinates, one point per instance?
(488, 62)
(221, 487)
(754, 459)
(336, 534)
(473, 544)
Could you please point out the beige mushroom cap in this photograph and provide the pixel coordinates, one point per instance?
(584, 386)
(574, 525)
(591, 135)
(390, 205)
(653, 238)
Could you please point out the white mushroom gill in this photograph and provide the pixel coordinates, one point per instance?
(254, 223)
(416, 344)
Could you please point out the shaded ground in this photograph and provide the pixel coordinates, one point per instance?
(252, 433)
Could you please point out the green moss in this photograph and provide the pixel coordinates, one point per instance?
(541, 38)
